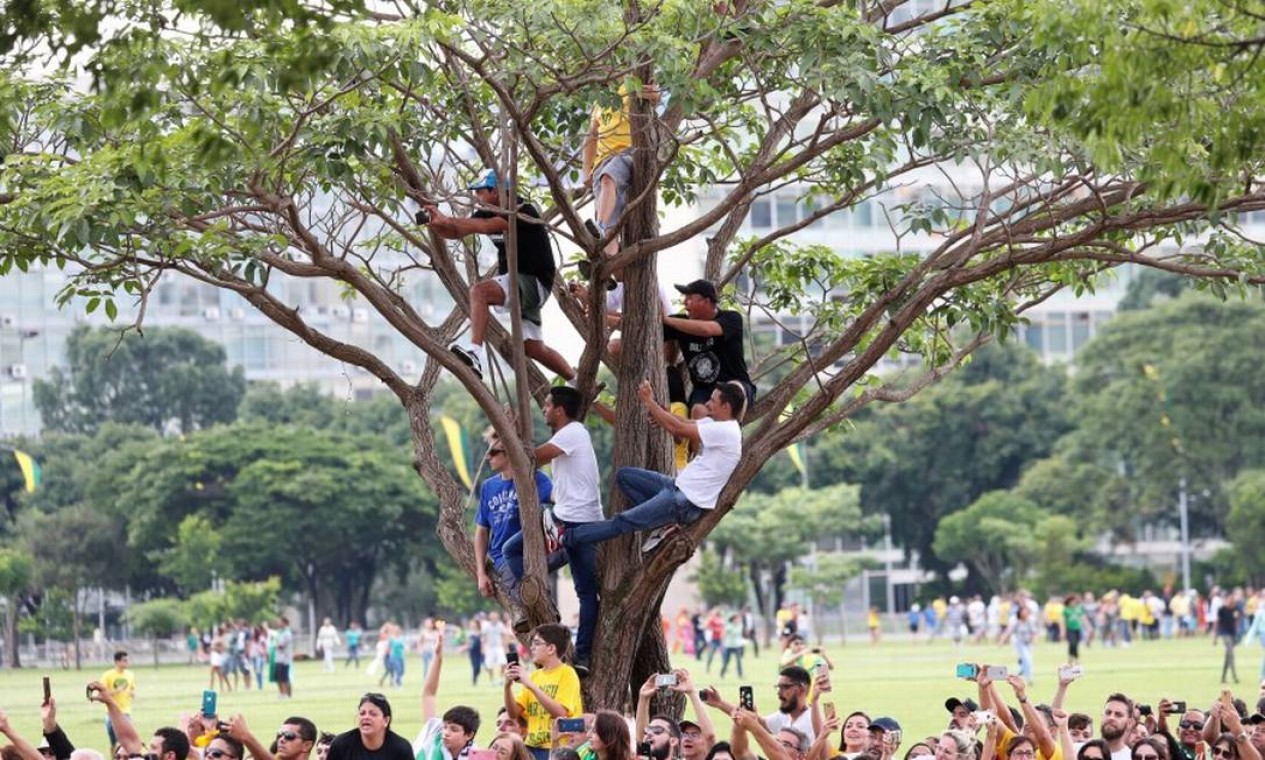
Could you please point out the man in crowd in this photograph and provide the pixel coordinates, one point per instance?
(577, 501)
(551, 691)
(660, 500)
(1189, 730)
(690, 739)
(498, 533)
(450, 737)
(710, 340)
(962, 714)
(167, 743)
(294, 741)
(536, 271)
(120, 682)
(284, 657)
(1116, 725)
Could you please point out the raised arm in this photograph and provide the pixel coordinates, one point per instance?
(431, 688)
(1045, 742)
(238, 729)
(17, 740)
(686, 686)
(644, 695)
(674, 425)
(124, 731)
(58, 742)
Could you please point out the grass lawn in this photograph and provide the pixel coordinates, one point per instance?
(905, 680)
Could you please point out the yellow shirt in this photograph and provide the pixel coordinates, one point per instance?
(563, 686)
(614, 131)
(122, 685)
(1053, 612)
(999, 752)
(941, 607)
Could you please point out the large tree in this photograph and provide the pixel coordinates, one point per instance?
(242, 149)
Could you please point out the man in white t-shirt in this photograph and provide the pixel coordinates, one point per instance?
(577, 500)
(663, 501)
(494, 631)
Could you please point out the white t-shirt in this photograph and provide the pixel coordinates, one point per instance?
(493, 635)
(1124, 753)
(780, 720)
(429, 744)
(615, 298)
(576, 496)
(707, 473)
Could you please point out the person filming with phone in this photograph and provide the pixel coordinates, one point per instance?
(551, 691)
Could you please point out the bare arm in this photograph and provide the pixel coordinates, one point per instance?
(551, 705)
(820, 749)
(700, 328)
(23, 746)
(588, 154)
(124, 731)
(431, 688)
(511, 705)
(452, 228)
(1045, 742)
(644, 695)
(674, 425)
(481, 539)
(685, 685)
(238, 730)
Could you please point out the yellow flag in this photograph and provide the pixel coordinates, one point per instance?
(30, 469)
(460, 450)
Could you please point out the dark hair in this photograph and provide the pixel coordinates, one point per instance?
(11, 752)
(673, 728)
(566, 397)
(120, 655)
(1154, 743)
(1078, 721)
(925, 745)
(521, 720)
(466, 717)
(611, 728)
(174, 741)
(1118, 697)
(796, 674)
(1017, 741)
(717, 748)
(556, 634)
(735, 396)
(564, 753)
(326, 738)
(307, 729)
(1226, 738)
(1096, 743)
(379, 701)
(239, 751)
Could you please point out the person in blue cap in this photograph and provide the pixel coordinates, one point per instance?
(536, 271)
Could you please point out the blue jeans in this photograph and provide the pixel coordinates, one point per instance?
(583, 561)
(658, 502)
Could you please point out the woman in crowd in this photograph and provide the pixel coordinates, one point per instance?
(609, 736)
(856, 734)
(509, 747)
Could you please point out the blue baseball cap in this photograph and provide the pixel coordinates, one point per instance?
(487, 182)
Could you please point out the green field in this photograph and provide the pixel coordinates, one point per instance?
(906, 680)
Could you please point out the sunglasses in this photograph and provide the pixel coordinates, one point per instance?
(1146, 756)
(216, 754)
(1222, 752)
(287, 735)
(1191, 725)
(656, 730)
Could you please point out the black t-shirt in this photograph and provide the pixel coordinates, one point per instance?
(535, 254)
(348, 746)
(713, 359)
(1228, 620)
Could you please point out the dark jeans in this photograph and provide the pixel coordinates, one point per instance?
(583, 560)
(658, 502)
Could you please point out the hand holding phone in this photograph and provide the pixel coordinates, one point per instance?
(665, 680)
(48, 690)
(746, 698)
(208, 703)
(571, 726)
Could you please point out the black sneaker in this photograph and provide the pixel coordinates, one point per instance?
(521, 625)
(593, 229)
(469, 357)
(581, 668)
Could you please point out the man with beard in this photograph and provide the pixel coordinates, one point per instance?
(792, 703)
(1117, 722)
(1189, 731)
(690, 739)
(664, 737)
(963, 714)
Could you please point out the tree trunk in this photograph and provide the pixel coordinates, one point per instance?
(11, 630)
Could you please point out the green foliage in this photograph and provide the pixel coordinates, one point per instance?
(719, 582)
(195, 560)
(159, 618)
(455, 594)
(994, 535)
(169, 378)
(935, 454)
(17, 569)
(1245, 525)
(254, 602)
(54, 617)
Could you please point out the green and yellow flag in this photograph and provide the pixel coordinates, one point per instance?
(459, 445)
(30, 469)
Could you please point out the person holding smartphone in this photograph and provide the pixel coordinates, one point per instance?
(551, 691)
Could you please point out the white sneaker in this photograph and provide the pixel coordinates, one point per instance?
(654, 539)
(471, 355)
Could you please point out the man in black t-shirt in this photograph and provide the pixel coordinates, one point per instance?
(536, 269)
(710, 339)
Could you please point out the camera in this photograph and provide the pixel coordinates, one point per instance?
(1177, 707)
(91, 693)
(665, 680)
(1144, 710)
(422, 217)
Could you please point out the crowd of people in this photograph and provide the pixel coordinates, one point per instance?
(542, 717)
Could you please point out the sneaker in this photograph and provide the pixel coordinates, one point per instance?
(470, 356)
(521, 625)
(581, 668)
(593, 229)
(657, 538)
(557, 560)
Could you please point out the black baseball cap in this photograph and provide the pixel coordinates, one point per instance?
(1256, 718)
(702, 288)
(884, 724)
(953, 703)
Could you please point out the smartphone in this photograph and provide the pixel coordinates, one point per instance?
(1071, 672)
(746, 698)
(967, 670)
(90, 692)
(511, 656)
(996, 672)
(984, 717)
(643, 749)
(829, 707)
(571, 725)
(664, 680)
(208, 703)
(1177, 708)
(48, 690)
(705, 694)
(892, 738)
(1144, 710)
